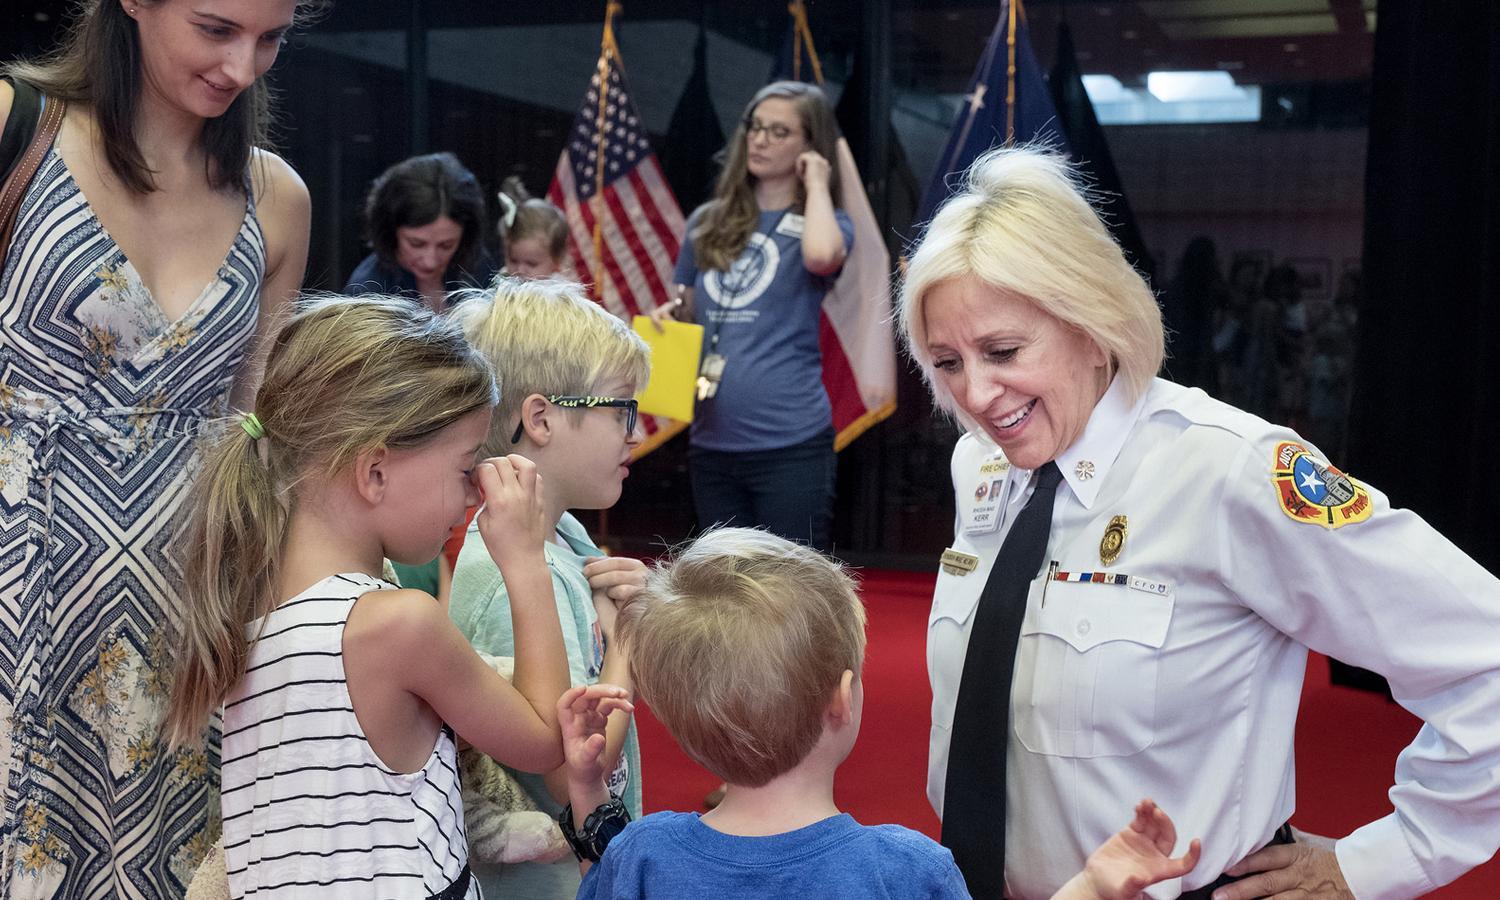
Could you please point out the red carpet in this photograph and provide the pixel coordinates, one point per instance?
(1347, 740)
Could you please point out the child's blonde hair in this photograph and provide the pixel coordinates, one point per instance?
(738, 644)
(547, 337)
(526, 217)
(343, 376)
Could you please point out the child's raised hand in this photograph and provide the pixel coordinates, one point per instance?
(582, 714)
(1136, 857)
(513, 520)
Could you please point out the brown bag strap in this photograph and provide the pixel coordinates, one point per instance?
(20, 177)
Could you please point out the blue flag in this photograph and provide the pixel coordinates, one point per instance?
(985, 117)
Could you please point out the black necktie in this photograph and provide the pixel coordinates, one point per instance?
(974, 794)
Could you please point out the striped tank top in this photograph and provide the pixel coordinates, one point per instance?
(309, 809)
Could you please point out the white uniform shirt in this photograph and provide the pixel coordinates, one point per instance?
(1184, 685)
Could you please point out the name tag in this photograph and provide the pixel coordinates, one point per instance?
(1148, 586)
(957, 562)
(790, 225)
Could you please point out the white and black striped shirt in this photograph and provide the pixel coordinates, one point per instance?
(309, 809)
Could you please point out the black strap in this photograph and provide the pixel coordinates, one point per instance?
(20, 125)
(974, 795)
(1283, 835)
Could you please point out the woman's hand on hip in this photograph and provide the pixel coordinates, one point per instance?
(1306, 869)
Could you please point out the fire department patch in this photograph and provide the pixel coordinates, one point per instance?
(1312, 491)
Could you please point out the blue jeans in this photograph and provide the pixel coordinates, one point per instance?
(788, 491)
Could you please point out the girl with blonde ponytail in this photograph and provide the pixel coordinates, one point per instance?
(341, 692)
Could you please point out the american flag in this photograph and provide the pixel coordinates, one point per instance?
(608, 177)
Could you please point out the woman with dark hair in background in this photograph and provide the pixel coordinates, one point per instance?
(424, 218)
(755, 265)
(155, 241)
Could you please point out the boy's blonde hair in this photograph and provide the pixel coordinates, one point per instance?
(547, 337)
(344, 375)
(738, 644)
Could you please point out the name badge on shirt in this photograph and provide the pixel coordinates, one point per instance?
(957, 562)
(790, 225)
(984, 515)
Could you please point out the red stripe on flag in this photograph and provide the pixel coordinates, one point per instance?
(671, 241)
(653, 288)
(838, 377)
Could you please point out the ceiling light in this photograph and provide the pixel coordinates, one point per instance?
(1175, 87)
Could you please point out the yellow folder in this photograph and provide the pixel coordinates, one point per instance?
(674, 368)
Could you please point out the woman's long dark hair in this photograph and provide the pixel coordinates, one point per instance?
(729, 218)
(99, 64)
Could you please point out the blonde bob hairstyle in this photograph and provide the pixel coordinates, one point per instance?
(343, 376)
(546, 336)
(738, 645)
(1022, 224)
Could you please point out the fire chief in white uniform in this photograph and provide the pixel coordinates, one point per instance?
(1194, 553)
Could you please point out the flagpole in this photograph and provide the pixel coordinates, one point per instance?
(802, 34)
(1010, 76)
(608, 50)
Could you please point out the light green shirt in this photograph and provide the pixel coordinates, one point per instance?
(480, 607)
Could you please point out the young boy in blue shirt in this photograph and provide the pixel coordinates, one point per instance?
(748, 649)
(568, 374)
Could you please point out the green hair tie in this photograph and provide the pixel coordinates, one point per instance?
(252, 426)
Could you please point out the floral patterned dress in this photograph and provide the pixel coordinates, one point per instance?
(101, 397)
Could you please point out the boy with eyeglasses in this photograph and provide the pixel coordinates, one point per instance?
(568, 374)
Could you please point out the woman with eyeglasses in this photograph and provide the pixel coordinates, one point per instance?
(755, 264)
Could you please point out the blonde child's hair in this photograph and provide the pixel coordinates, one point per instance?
(547, 337)
(526, 217)
(738, 644)
(1022, 224)
(344, 375)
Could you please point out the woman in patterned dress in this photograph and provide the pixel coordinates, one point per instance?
(154, 243)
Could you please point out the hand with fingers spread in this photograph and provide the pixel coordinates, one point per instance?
(1307, 869)
(582, 714)
(513, 520)
(615, 580)
(1136, 857)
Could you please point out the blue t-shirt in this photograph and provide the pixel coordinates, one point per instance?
(765, 310)
(670, 855)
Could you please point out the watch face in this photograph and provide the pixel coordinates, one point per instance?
(601, 827)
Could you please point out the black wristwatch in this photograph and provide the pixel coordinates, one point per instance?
(601, 826)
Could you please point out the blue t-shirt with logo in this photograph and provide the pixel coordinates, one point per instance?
(765, 310)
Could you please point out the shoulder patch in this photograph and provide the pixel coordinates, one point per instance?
(1312, 491)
